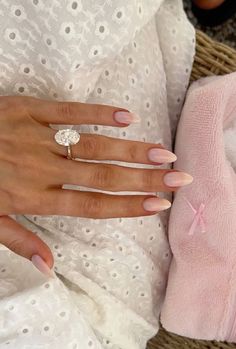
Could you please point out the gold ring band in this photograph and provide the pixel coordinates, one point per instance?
(69, 152)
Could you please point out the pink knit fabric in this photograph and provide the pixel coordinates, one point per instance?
(200, 298)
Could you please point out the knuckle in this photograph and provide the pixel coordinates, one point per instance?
(133, 152)
(65, 110)
(93, 206)
(98, 111)
(16, 245)
(148, 180)
(91, 147)
(132, 206)
(103, 176)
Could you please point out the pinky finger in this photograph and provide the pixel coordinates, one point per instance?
(76, 203)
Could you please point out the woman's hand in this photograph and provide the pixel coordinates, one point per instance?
(33, 168)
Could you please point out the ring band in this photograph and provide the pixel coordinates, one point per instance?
(69, 152)
(67, 137)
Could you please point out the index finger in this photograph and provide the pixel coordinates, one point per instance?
(76, 113)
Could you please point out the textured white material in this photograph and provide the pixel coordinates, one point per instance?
(134, 54)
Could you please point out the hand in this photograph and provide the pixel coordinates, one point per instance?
(34, 168)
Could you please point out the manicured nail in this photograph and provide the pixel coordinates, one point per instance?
(156, 204)
(125, 117)
(177, 179)
(161, 155)
(39, 263)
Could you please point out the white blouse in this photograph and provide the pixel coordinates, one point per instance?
(112, 273)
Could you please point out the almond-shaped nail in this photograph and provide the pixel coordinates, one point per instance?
(125, 117)
(177, 179)
(161, 155)
(156, 204)
(39, 263)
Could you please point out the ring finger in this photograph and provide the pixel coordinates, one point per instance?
(97, 147)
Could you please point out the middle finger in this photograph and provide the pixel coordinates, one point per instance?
(98, 147)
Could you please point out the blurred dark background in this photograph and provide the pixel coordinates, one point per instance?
(224, 33)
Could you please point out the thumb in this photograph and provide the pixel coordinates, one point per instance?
(26, 244)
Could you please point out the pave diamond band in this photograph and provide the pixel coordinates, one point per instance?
(67, 137)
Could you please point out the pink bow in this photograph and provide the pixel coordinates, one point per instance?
(197, 218)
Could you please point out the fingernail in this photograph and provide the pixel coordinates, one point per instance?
(177, 179)
(39, 263)
(161, 155)
(125, 117)
(156, 204)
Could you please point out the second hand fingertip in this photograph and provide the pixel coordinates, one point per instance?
(42, 266)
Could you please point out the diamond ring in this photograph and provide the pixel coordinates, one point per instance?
(67, 137)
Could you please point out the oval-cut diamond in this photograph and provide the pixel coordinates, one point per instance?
(67, 137)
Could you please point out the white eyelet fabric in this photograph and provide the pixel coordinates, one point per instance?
(111, 274)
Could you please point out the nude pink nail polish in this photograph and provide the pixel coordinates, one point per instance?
(161, 155)
(177, 179)
(39, 263)
(156, 204)
(125, 117)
